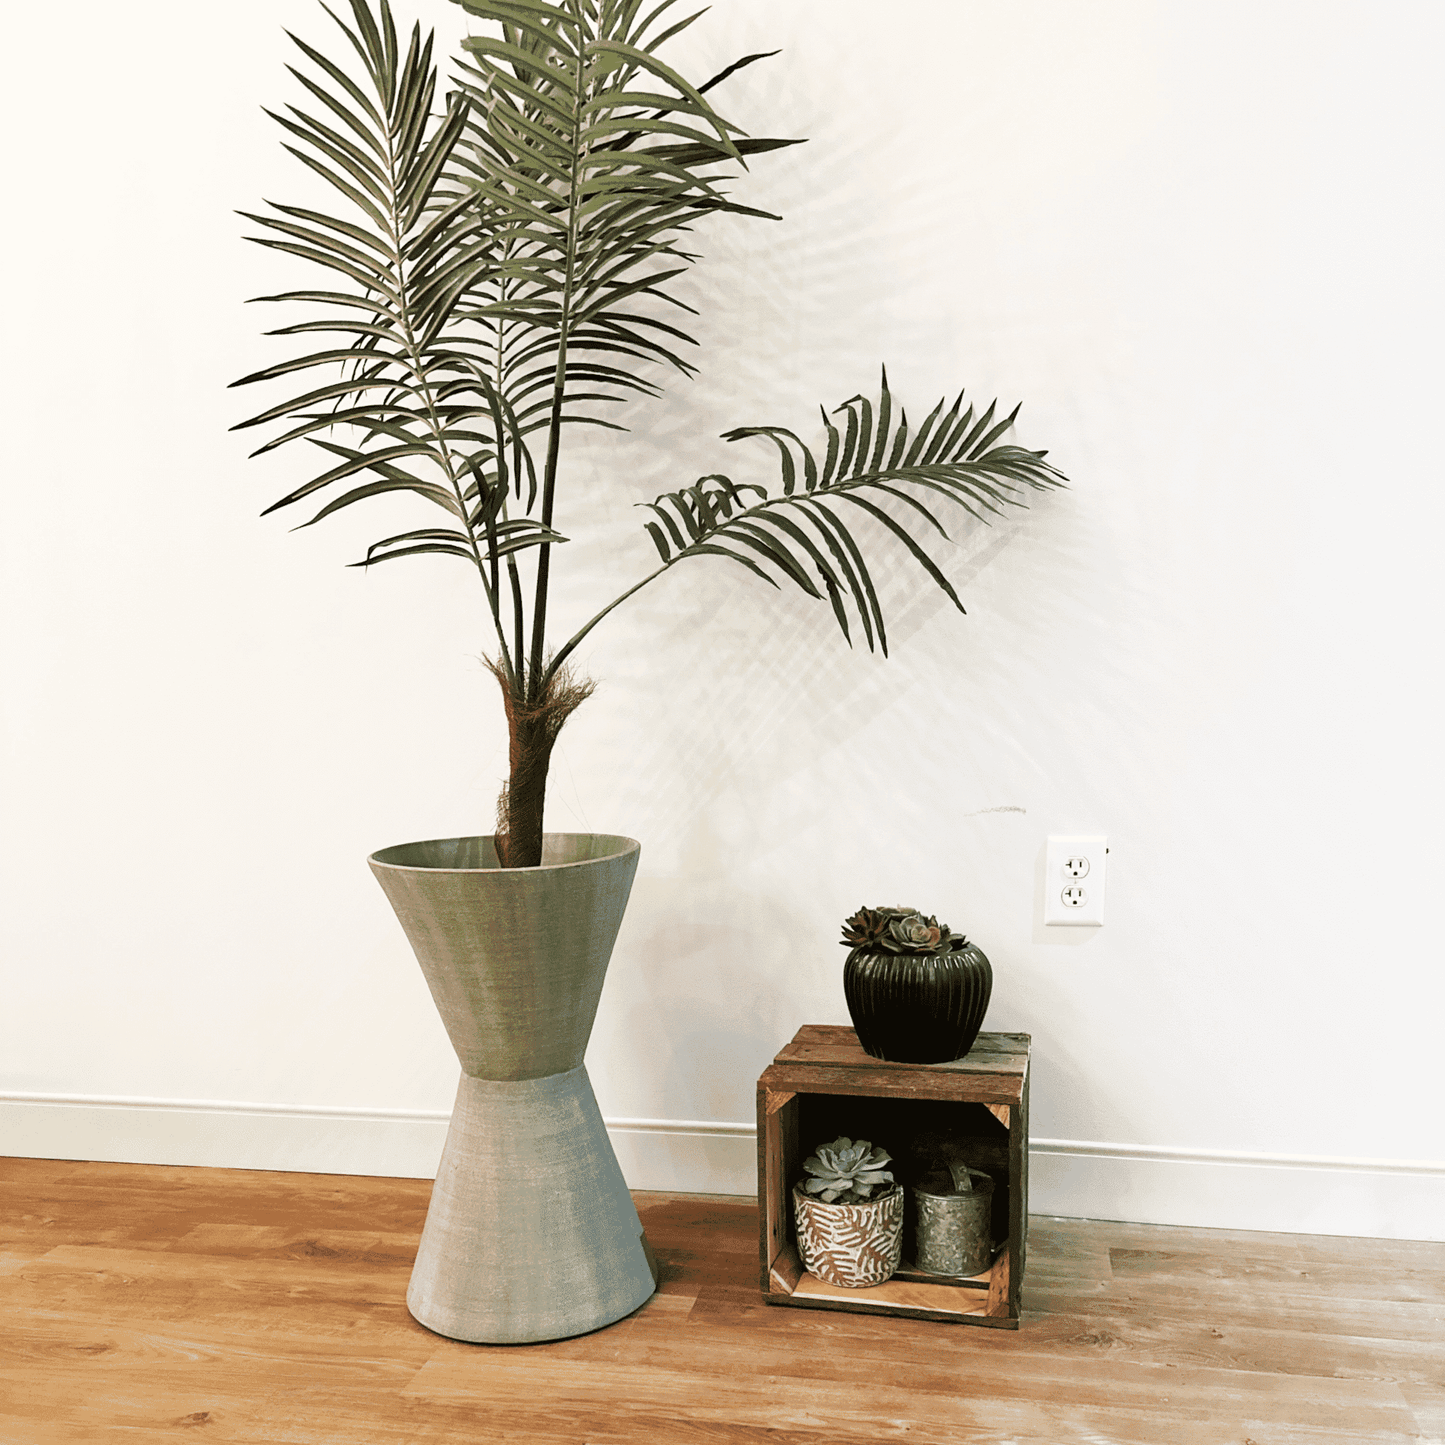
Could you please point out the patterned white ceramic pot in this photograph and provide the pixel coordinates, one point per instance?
(853, 1245)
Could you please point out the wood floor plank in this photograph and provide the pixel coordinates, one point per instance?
(1352, 1341)
(143, 1304)
(1426, 1399)
(1256, 1272)
(1218, 1308)
(1144, 1403)
(1147, 1337)
(1111, 1376)
(1057, 1233)
(17, 1255)
(62, 1201)
(232, 1301)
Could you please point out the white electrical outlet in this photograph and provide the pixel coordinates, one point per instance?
(1074, 881)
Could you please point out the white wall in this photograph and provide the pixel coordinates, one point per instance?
(1201, 243)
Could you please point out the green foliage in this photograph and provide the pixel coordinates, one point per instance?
(953, 456)
(502, 264)
(847, 1173)
(499, 263)
(899, 930)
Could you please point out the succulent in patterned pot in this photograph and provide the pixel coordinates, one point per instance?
(849, 1213)
(917, 991)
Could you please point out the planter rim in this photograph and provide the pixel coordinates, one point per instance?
(979, 1188)
(380, 858)
(884, 953)
(894, 1188)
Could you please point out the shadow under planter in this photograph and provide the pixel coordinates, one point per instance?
(531, 1234)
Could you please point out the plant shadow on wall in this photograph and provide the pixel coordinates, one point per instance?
(707, 1029)
(776, 697)
(501, 272)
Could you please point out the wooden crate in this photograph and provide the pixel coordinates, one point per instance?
(823, 1084)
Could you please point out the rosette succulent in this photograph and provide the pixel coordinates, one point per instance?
(899, 930)
(845, 1172)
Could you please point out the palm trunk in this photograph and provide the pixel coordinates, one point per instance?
(532, 730)
(519, 809)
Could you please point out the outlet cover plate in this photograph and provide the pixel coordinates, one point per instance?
(1074, 871)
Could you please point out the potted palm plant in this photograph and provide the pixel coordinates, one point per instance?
(500, 267)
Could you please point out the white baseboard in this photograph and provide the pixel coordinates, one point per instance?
(690, 1157)
(1390, 1199)
(305, 1139)
(665, 1154)
(1292, 1194)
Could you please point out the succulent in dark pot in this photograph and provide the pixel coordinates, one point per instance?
(916, 990)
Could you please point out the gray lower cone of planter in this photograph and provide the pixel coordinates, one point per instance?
(531, 1234)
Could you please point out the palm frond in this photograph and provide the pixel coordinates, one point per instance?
(590, 178)
(401, 412)
(590, 158)
(510, 537)
(801, 534)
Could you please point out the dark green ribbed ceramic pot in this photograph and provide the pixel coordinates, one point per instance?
(918, 1009)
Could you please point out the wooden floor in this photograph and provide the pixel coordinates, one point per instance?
(140, 1303)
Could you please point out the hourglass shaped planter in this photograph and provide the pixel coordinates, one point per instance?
(531, 1233)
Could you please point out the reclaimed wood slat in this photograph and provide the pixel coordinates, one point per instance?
(907, 1270)
(1018, 1209)
(851, 1056)
(827, 1036)
(898, 1294)
(1000, 1087)
(1000, 1296)
(777, 1156)
(785, 1272)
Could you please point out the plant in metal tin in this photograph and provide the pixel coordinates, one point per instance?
(498, 267)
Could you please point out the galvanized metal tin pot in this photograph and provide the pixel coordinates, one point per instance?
(952, 1230)
(531, 1233)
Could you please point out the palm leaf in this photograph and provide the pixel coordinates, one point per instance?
(872, 457)
(406, 249)
(591, 158)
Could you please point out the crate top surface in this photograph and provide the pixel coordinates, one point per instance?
(835, 1046)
